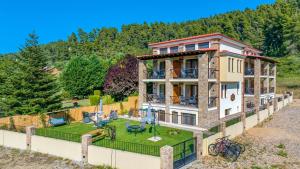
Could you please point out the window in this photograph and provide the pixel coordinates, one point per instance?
(175, 117)
(163, 50)
(189, 119)
(161, 115)
(174, 49)
(229, 62)
(190, 47)
(222, 91)
(203, 45)
(232, 62)
(227, 112)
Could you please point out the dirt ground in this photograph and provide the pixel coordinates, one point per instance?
(17, 159)
(275, 144)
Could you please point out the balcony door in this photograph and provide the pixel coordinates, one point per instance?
(176, 68)
(176, 93)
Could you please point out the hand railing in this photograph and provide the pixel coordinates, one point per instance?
(155, 74)
(154, 98)
(185, 101)
(188, 73)
(249, 71)
(249, 91)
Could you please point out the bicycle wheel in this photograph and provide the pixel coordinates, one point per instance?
(231, 155)
(212, 150)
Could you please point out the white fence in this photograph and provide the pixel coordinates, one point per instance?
(121, 159)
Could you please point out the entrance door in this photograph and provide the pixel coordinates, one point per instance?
(176, 68)
(176, 93)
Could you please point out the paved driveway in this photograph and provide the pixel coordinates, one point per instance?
(273, 144)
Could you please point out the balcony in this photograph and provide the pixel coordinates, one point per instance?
(271, 89)
(249, 72)
(156, 74)
(212, 102)
(264, 90)
(249, 91)
(264, 72)
(272, 72)
(154, 98)
(189, 73)
(211, 73)
(185, 101)
(250, 107)
(262, 107)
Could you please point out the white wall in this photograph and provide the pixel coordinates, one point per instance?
(263, 115)
(121, 159)
(13, 139)
(231, 48)
(234, 130)
(226, 103)
(56, 147)
(251, 121)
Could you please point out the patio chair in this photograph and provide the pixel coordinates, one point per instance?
(155, 74)
(192, 100)
(143, 127)
(183, 73)
(86, 117)
(161, 74)
(194, 73)
(182, 100)
(113, 115)
(128, 127)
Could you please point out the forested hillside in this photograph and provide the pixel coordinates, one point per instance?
(275, 29)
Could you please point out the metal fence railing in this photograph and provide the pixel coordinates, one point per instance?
(129, 146)
(58, 135)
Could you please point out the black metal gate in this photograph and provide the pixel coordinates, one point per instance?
(184, 153)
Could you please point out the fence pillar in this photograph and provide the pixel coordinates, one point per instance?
(86, 140)
(243, 119)
(30, 130)
(199, 141)
(223, 128)
(166, 157)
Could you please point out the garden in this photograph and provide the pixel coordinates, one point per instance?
(127, 141)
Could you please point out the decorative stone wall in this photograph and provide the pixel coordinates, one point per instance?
(142, 85)
(169, 88)
(257, 70)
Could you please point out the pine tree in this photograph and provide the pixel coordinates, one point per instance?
(35, 89)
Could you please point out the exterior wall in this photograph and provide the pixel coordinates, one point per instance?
(209, 140)
(121, 159)
(13, 139)
(279, 105)
(142, 85)
(234, 130)
(226, 103)
(248, 99)
(229, 47)
(271, 110)
(225, 75)
(202, 89)
(251, 121)
(263, 115)
(56, 147)
(257, 67)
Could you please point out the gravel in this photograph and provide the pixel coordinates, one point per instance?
(275, 144)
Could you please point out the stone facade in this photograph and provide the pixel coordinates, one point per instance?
(166, 157)
(169, 88)
(202, 89)
(142, 86)
(257, 71)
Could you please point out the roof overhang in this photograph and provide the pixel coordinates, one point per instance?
(227, 53)
(265, 58)
(178, 54)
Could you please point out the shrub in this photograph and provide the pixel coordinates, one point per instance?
(42, 117)
(282, 153)
(94, 100)
(97, 92)
(11, 123)
(107, 99)
(282, 146)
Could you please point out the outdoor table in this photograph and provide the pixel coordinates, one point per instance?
(135, 128)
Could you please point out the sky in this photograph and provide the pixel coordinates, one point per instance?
(56, 19)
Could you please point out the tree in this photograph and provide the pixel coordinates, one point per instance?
(122, 79)
(32, 89)
(83, 74)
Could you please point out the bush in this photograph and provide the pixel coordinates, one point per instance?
(94, 100)
(97, 92)
(107, 99)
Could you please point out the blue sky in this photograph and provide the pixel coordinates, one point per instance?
(56, 19)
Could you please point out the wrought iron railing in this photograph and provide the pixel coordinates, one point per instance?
(188, 73)
(212, 102)
(154, 98)
(185, 101)
(249, 91)
(155, 74)
(212, 73)
(264, 72)
(249, 71)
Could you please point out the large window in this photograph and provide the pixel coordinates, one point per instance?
(174, 49)
(190, 47)
(163, 50)
(189, 119)
(203, 45)
(161, 115)
(175, 117)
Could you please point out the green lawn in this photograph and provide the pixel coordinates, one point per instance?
(124, 140)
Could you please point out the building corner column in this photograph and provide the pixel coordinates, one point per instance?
(142, 86)
(257, 72)
(202, 89)
(199, 142)
(169, 88)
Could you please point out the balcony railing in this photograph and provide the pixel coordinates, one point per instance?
(272, 72)
(212, 102)
(262, 107)
(263, 90)
(250, 107)
(185, 101)
(249, 71)
(264, 72)
(155, 74)
(188, 73)
(211, 73)
(249, 91)
(154, 98)
(272, 89)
